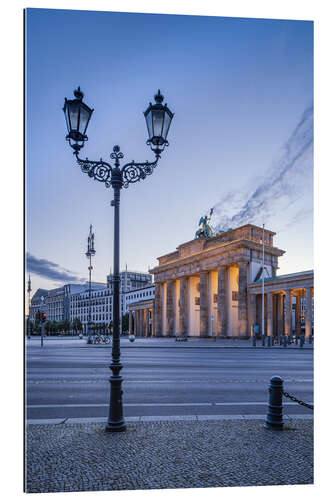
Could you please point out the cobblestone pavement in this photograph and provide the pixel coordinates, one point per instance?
(183, 454)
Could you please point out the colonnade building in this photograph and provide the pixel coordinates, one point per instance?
(212, 287)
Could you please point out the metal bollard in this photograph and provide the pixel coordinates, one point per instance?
(281, 339)
(296, 340)
(301, 340)
(285, 341)
(274, 419)
(268, 341)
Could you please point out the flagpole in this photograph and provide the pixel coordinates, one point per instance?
(263, 287)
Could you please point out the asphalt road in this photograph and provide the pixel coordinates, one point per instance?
(72, 381)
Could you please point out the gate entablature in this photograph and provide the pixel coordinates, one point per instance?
(232, 247)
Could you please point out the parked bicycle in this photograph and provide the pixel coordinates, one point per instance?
(101, 339)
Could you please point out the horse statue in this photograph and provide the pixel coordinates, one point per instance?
(205, 231)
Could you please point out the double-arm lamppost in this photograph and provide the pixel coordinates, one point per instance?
(89, 254)
(158, 118)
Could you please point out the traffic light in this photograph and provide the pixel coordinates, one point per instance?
(43, 317)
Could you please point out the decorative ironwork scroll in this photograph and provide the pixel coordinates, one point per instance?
(134, 172)
(102, 171)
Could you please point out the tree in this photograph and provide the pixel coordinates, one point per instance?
(125, 322)
(66, 325)
(36, 326)
(29, 326)
(48, 327)
(77, 325)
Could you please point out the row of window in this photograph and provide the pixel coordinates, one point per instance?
(93, 309)
(79, 301)
(94, 317)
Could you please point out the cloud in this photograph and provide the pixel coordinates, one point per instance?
(286, 186)
(50, 270)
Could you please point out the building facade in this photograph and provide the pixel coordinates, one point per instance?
(280, 293)
(140, 306)
(101, 305)
(72, 300)
(57, 301)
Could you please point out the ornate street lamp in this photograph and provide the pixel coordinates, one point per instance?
(77, 115)
(158, 118)
(89, 254)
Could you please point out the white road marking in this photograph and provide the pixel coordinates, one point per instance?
(37, 381)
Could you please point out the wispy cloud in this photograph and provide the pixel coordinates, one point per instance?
(281, 191)
(50, 270)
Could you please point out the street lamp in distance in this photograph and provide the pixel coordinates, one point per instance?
(89, 254)
(158, 119)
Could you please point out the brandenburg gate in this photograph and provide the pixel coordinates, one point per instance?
(210, 286)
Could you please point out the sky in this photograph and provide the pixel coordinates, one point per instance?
(241, 140)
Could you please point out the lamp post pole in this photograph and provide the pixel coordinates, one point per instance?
(263, 287)
(116, 420)
(29, 306)
(89, 313)
(158, 119)
(42, 322)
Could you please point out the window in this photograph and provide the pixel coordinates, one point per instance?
(234, 295)
(197, 301)
(215, 298)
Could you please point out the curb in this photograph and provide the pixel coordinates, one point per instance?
(159, 418)
(195, 347)
(182, 346)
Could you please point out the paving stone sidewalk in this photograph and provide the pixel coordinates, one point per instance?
(172, 454)
(160, 342)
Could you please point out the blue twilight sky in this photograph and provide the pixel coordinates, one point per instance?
(241, 139)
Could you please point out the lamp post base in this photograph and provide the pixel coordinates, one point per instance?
(116, 422)
(115, 427)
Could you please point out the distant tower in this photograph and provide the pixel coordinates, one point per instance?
(89, 254)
